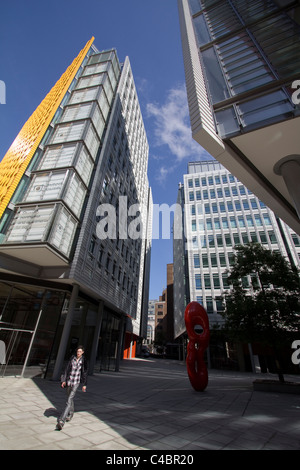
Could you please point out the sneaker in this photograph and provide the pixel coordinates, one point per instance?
(69, 418)
(59, 425)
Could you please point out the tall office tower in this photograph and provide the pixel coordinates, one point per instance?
(219, 212)
(242, 67)
(75, 227)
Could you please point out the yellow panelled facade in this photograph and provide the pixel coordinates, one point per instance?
(18, 156)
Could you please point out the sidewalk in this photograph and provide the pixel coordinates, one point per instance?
(149, 405)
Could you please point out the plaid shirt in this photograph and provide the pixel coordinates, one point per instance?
(75, 374)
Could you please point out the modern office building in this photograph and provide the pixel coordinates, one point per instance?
(219, 212)
(151, 321)
(75, 227)
(242, 67)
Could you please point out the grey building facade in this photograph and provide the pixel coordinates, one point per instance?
(76, 234)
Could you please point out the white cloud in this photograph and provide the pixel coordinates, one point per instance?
(172, 126)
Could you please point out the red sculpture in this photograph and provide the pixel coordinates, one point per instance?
(195, 315)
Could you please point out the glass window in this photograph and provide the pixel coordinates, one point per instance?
(217, 223)
(249, 221)
(219, 240)
(207, 281)
(263, 237)
(194, 6)
(201, 225)
(211, 241)
(236, 239)
(272, 237)
(219, 304)
(225, 281)
(221, 19)
(227, 121)
(214, 207)
(205, 261)
(241, 221)
(203, 241)
(253, 204)
(231, 258)
(216, 281)
(213, 260)
(222, 259)
(209, 305)
(215, 79)
(238, 205)
(228, 240)
(258, 221)
(196, 261)
(253, 237)
(222, 207)
(296, 239)
(233, 222)
(201, 30)
(245, 238)
(198, 281)
(265, 107)
(224, 222)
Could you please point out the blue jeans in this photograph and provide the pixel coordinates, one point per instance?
(69, 410)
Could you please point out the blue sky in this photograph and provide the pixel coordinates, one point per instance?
(39, 39)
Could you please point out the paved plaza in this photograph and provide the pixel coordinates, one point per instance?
(149, 405)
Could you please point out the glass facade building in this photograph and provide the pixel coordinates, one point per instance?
(82, 155)
(219, 213)
(242, 70)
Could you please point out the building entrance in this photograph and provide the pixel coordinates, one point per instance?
(29, 317)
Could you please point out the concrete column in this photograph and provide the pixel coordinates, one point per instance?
(289, 168)
(96, 338)
(120, 343)
(65, 334)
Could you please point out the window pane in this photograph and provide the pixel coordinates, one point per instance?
(217, 85)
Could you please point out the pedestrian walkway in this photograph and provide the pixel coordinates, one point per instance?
(149, 405)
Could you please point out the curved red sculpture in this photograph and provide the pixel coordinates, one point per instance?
(195, 315)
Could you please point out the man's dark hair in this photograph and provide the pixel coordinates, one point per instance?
(80, 347)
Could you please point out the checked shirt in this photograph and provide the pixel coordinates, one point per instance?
(74, 378)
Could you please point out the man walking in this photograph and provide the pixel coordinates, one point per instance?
(75, 373)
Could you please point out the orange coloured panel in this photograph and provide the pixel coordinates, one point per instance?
(18, 156)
